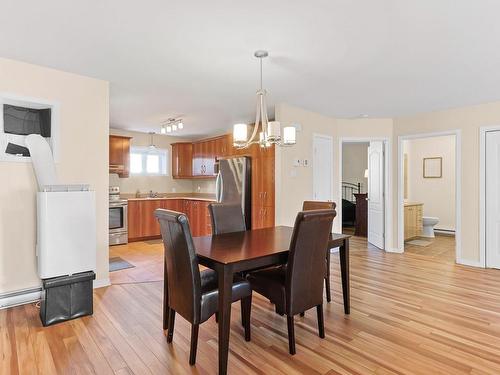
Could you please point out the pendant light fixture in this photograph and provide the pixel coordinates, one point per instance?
(270, 131)
(171, 125)
(152, 148)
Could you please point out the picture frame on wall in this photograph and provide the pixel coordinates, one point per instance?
(433, 167)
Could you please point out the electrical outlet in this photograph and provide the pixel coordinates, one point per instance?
(296, 162)
(306, 163)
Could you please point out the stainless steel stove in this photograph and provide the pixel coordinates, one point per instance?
(118, 226)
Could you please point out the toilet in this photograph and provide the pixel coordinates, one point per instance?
(428, 223)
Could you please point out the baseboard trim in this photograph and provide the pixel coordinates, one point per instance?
(470, 263)
(101, 283)
(394, 250)
(20, 297)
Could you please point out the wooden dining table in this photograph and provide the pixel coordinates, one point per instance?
(243, 251)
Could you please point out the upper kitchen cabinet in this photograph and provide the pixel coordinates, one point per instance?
(204, 155)
(182, 160)
(119, 155)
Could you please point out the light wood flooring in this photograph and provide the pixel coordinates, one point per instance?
(411, 314)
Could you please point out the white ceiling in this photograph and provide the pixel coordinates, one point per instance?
(341, 58)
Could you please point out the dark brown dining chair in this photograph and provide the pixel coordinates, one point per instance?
(322, 205)
(299, 286)
(192, 294)
(226, 218)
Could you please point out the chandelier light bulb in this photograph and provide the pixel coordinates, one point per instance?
(180, 125)
(174, 127)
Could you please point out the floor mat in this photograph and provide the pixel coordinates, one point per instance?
(117, 264)
(419, 242)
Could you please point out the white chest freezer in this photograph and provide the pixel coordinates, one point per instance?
(66, 235)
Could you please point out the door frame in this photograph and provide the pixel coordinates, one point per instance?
(482, 191)
(458, 188)
(330, 139)
(387, 185)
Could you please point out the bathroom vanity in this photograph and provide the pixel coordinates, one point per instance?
(413, 213)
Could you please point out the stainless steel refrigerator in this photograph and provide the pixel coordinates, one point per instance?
(234, 184)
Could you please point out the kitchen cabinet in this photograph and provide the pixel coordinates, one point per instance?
(263, 181)
(182, 160)
(143, 225)
(413, 223)
(262, 216)
(119, 155)
(204, 154)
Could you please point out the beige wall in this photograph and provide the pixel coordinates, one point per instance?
(437, 194)
(160, 184)
(83, 158)
(292, 188)
(354, 163)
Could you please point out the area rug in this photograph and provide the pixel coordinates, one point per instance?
(419, 242)
(117, 264)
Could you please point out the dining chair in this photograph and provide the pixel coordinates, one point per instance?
(192, 294)
(322, 205)
(299, 286)
(226, 218)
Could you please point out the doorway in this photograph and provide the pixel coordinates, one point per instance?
(429, 214)
(363, 188)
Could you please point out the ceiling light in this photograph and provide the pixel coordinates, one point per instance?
(163, 130)
(180, 125)
(269, 131)
(174, 127)
(169, 129)
(171, 125)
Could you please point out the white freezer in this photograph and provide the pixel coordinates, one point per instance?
(66, 235)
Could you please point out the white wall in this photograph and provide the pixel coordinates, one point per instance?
(83, 158)
(354, 163)
(437, 194)
(160, 184)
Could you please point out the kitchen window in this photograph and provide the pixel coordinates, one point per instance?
(146, 161)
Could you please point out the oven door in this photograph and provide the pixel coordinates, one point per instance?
(117, 217)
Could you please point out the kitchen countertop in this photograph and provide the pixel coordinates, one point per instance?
(164, 196)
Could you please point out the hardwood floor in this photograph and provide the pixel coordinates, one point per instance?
(410, 314)
(442, 248)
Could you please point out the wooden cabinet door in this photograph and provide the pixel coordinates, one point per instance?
(115, 150)
(197, 159)
(205, 224)
(150, 224)
(182, 160)
(134, 218)
(263, 181)
(209, 157)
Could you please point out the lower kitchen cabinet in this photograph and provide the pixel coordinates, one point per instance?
(262, 216)
(142, 223)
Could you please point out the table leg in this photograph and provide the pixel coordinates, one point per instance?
(165, 296)
(225, 275)
(344, 270)
(327, 278)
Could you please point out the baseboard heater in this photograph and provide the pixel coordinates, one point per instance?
(445, 231)
(19, 297)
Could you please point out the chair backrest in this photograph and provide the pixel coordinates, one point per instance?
(306, 260)
(318, 205)
(183, 274)
(226, 218)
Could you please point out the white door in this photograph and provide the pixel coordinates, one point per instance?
(376, 194)
(322, 167)
(493, 199)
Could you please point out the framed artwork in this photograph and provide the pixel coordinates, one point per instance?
(433, 167)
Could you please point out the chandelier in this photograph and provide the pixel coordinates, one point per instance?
(171, 125)
(270, 131)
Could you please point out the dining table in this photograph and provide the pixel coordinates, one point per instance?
(230, 253)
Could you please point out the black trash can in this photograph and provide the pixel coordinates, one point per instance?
(66, 297)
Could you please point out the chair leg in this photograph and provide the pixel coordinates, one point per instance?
(246, 308)
(171, 321)
(194, 343)
(242, 312)
(327, 278)
(321, 322)
(291, 334)
(216, 317)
